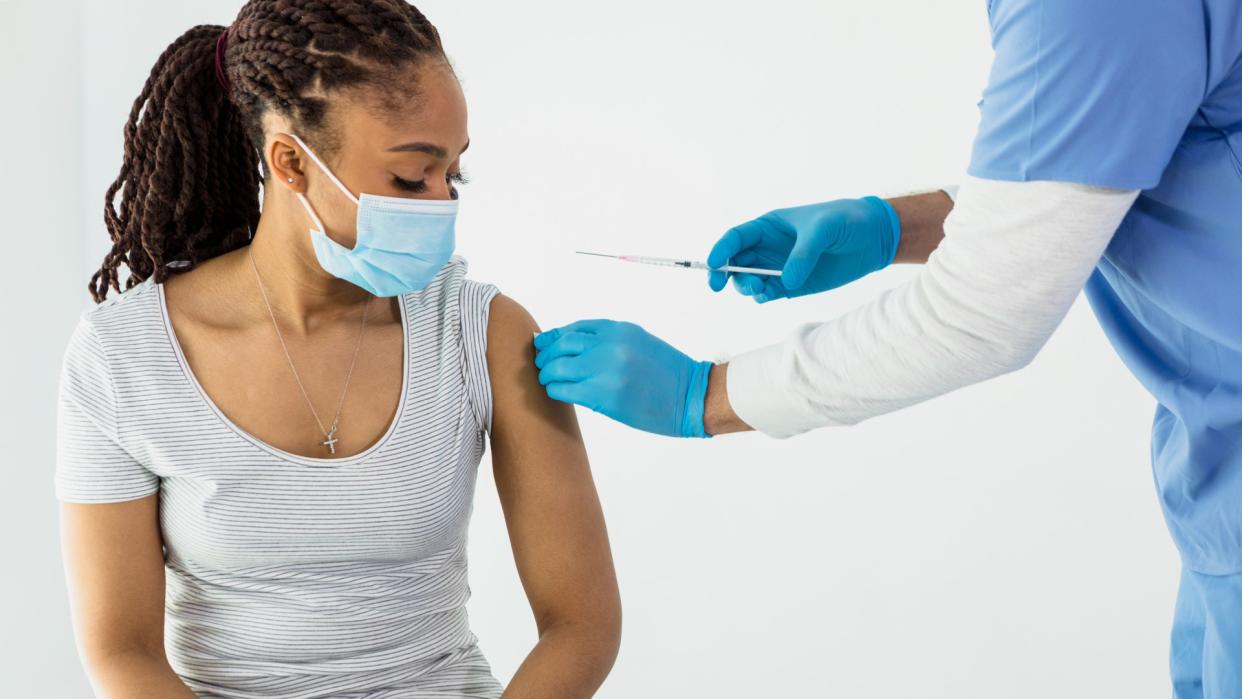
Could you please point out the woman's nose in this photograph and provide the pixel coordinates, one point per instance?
(443, 189)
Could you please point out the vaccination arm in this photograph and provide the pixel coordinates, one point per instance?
(1013, 259)
(555, 522)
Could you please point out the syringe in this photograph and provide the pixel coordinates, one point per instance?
(686, 264)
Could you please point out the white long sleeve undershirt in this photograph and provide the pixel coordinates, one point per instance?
(1014, 257)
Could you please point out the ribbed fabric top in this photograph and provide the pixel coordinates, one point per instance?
(292, 577)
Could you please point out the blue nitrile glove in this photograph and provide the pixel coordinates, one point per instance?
(622, 371)
(817, 247)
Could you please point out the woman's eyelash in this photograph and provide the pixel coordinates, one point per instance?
(408, 185)
(459, 177)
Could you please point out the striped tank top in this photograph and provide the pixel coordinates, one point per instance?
(293, 577)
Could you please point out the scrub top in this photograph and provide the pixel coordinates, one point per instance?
(1147, 95)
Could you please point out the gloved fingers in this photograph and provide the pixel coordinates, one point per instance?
(803, 257)
(569, 344)
(748, 284)
(771, 290)
(569, 392)
(734, 241)
(749, 258)
(564, 369)
(548, 337)
(759, 259)
(545, 338)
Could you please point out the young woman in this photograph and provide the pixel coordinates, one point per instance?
(269, 440)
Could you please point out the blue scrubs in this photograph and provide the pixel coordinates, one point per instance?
(1147, 94)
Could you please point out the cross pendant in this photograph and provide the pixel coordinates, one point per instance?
(331, 441)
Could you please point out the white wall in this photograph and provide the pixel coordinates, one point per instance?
(41, 282)
(1003, 541)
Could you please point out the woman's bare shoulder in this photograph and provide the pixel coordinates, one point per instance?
(517, 397)
(509, 322)
(510, 351)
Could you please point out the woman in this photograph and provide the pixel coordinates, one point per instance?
(268, 442)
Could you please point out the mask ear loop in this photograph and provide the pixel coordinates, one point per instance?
(331, 175)
(311, 212)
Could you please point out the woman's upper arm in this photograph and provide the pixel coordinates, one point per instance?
(110, 534)
(552, 511)
(114, 567)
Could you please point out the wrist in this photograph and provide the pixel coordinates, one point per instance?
(922, 221)
(890, 240)
(718, 415)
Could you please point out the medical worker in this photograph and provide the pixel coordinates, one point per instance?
(1109, 154)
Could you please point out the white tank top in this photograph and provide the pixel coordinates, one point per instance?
(290, 576)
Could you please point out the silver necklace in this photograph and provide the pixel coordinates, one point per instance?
(329, 433)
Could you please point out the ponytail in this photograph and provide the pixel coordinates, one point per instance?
(189, 180)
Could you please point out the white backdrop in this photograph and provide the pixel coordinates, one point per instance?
(1002, 541)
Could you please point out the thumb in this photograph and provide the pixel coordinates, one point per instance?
(802, 259)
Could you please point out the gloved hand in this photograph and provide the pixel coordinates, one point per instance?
(622, 371)
(817, 247)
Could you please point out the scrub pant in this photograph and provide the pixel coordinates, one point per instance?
(1206, 651)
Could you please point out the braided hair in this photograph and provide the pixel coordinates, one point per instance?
(193, 163)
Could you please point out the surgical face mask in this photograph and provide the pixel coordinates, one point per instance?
(402, 243)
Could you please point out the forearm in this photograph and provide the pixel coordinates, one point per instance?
(571, 660)
(1015, 257)
(718, 415)
(135, 675)
(922, 224)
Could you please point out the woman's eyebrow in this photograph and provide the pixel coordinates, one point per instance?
(424, 147)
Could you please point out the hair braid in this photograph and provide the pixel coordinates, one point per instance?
(188, 188)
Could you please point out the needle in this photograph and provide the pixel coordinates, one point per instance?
(685, 264)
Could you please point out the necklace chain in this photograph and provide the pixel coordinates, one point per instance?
(328, 433)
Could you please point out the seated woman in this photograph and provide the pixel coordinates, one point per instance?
(268, 442)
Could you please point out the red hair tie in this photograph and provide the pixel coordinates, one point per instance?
(222, 44)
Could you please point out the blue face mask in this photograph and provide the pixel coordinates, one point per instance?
(402, 243)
